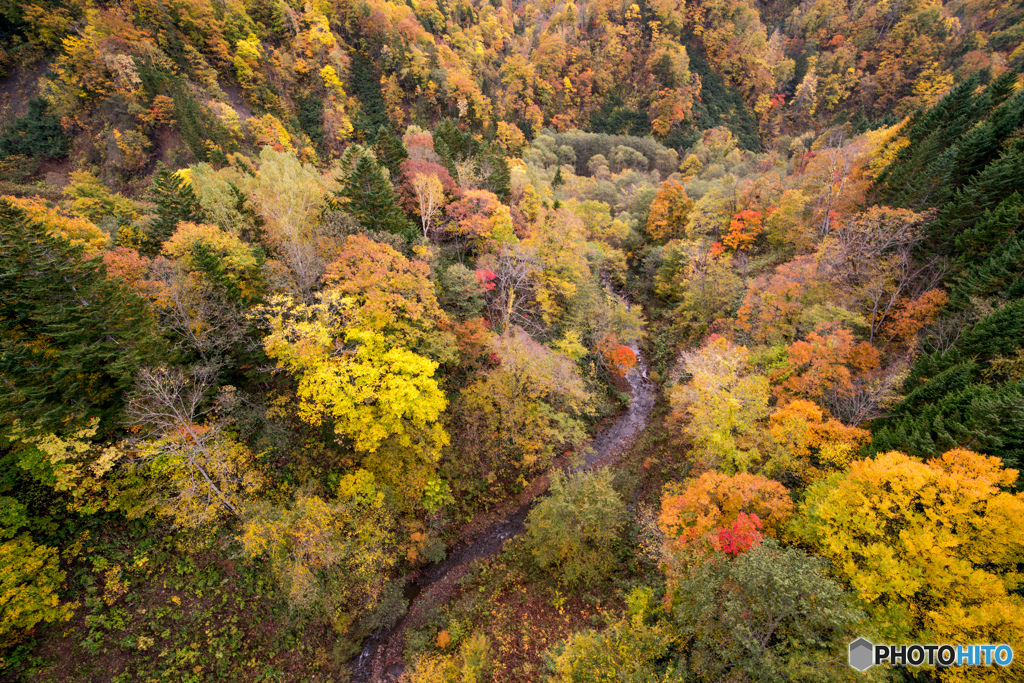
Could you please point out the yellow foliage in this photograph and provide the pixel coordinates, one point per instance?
(29, 582)
(74, 229)
(932, 547)
(70, 463)
(370, 391)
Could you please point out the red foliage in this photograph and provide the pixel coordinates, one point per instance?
(414, 167)
(485, 278)
(744, 534)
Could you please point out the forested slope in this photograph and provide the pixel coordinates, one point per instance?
(294, 300)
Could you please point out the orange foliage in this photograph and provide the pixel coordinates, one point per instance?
(619, 358)
(691, 515)
(914, 314)
(827, 361)
(808, 441)
(772, 308)
(745, 228)
(669, 211)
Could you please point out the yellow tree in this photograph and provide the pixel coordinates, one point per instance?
(669, 211)
(390, 294)
(933, 548)
(515, 418)
(806, 442)
(74, 229)
(429, 194)
(725, 404)
(334, 555)
(30, 579)
(375, 394)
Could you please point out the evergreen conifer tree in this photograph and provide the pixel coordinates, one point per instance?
(369, 197)
(70, 337)
(175, 202)
(390, 152)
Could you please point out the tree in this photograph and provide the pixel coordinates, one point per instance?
(182, 460)
(932, 547)
(669, 211)
(76, 230)
(376, 395)
(806, 442)
(71, 339)
(744, 229)
(573, 530)
(775, 308)
(331, 555)
(289, 195)
(520, 414)
(390, 151)
(30, 582)
(430, 197)
(175, 201)
(389, 294)
(37, 133)
(462, 293)
(368, 195)
(825, 366)
(771, 613)
(629, 650)
(220, 258)
(725, 404)
(693, 514)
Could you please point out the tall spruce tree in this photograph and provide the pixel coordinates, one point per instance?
(369, 197)
(71, 338)
(391, 152)
(175, 202)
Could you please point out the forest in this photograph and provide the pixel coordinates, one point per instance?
(509, 341)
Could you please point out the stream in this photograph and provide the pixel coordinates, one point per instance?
(381, 659)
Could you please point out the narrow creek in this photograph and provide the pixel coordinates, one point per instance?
(381, 660)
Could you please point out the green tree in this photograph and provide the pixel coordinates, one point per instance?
(770, 614)
(331, 555)
(175, 201)
(37, 133)
(71, 339)
(572, 532)
(391, 152)
(370, 198)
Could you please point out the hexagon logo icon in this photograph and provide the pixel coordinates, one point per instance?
(862, 654)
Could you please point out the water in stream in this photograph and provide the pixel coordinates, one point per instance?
(380, 660)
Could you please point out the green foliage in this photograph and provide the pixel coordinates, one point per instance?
(630, 652)
(175, 202)
(38, 133)
(370, 198)
(366, 86)
(573, 532)
(70, 338)
(955, 400)
(390, 152)
(772, 613)
(461, 293)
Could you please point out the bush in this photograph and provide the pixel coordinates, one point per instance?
(573, 531)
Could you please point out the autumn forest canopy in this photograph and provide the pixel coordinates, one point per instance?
(509, 340)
